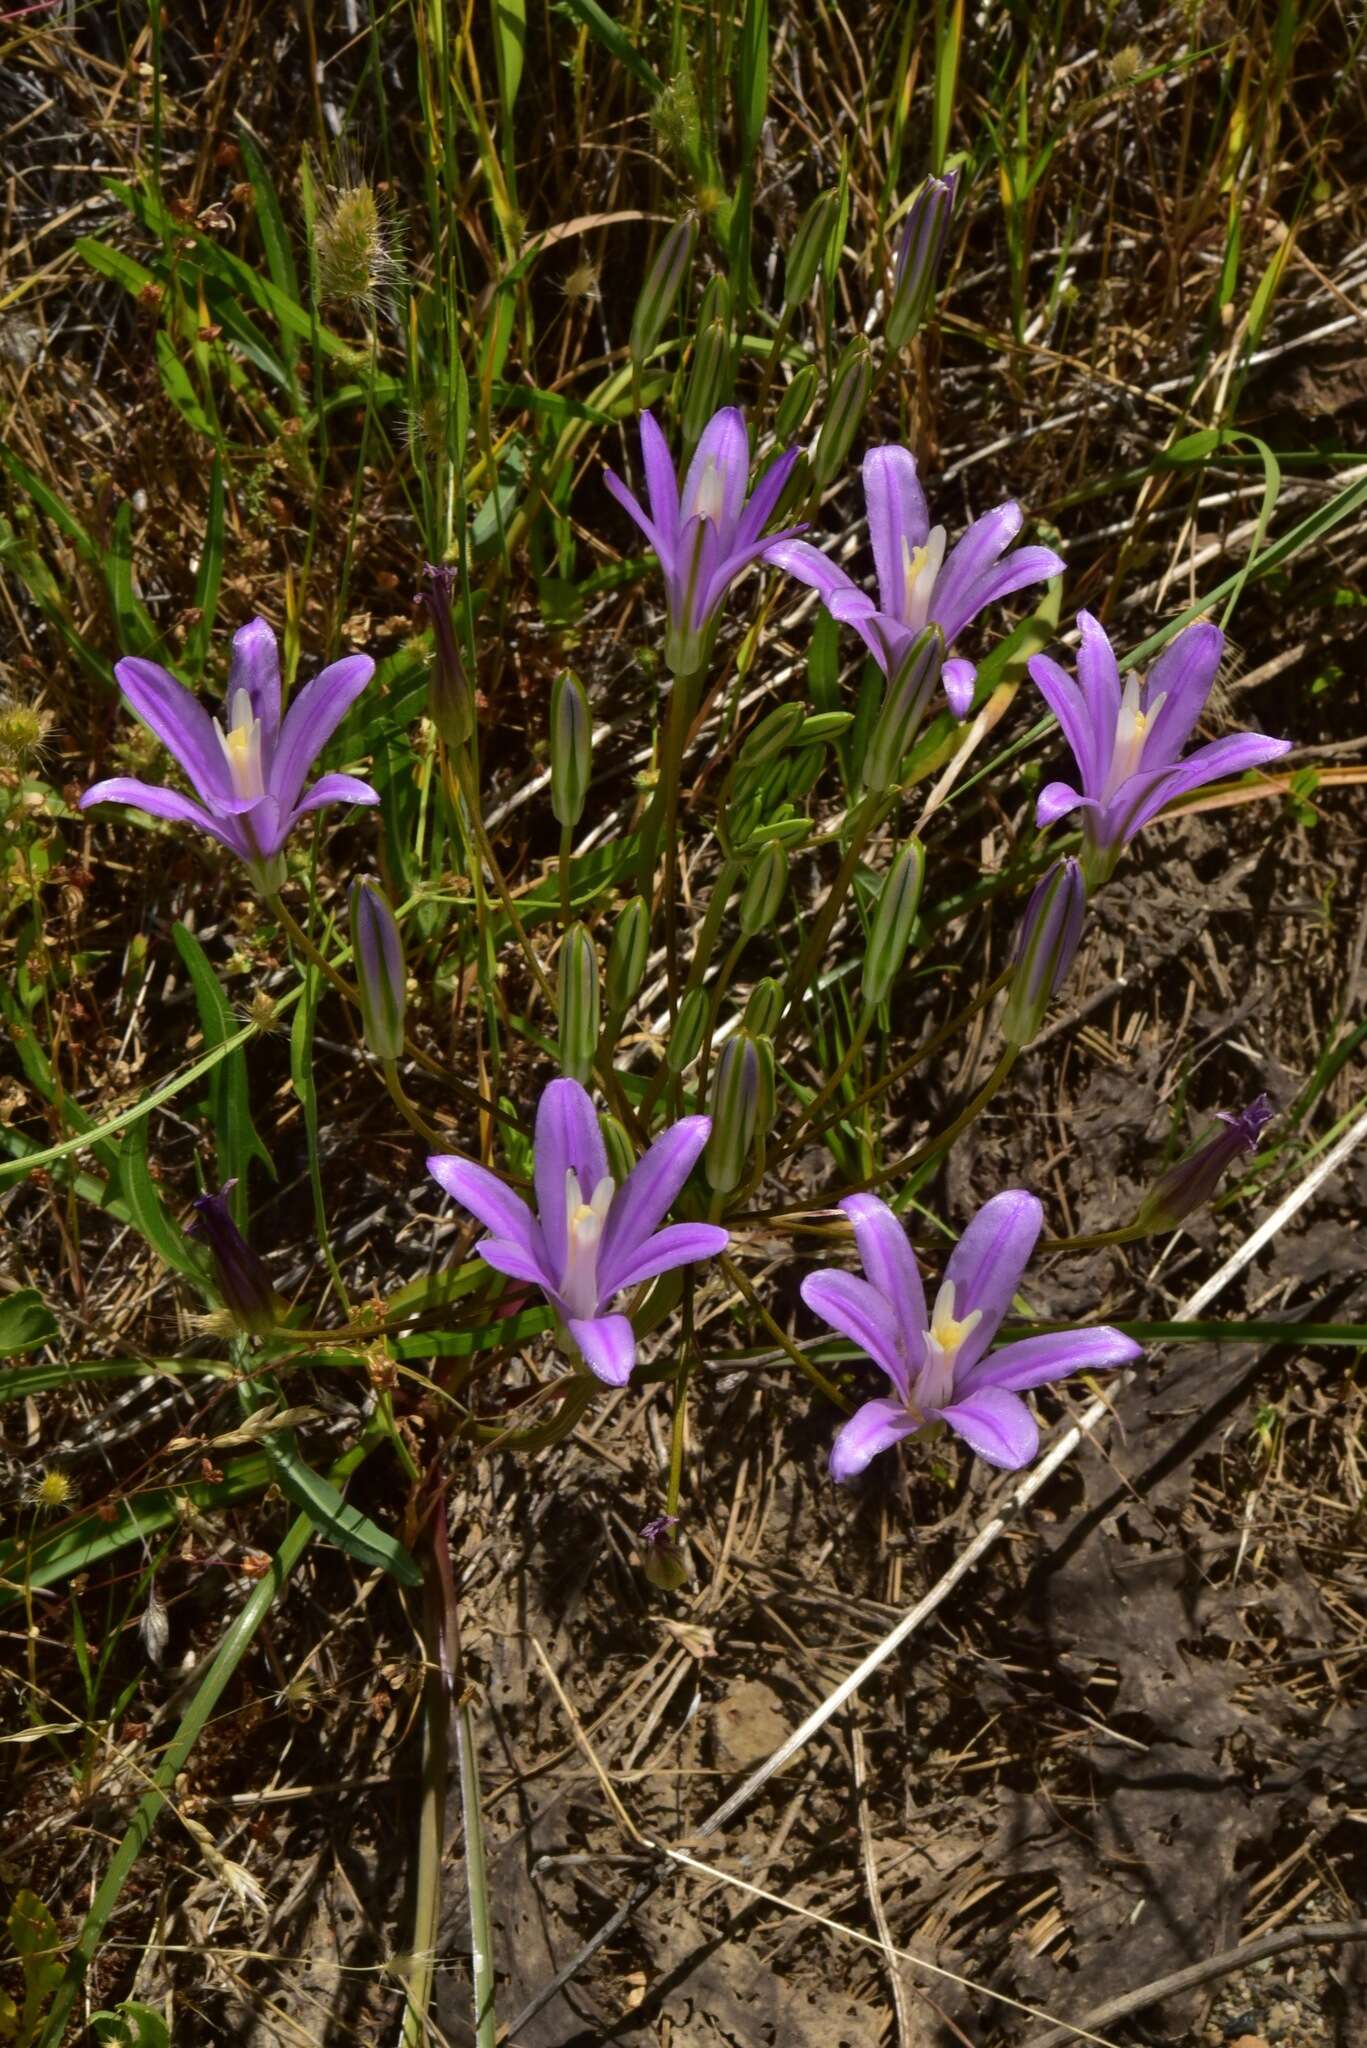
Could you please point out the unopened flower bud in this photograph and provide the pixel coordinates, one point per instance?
(909, 690)
(1046, 945)
(377, 951)
(918, 258)
(795, 404)
(737, 1087)
(578, 1003)
(765, 889)
(807, 250)
(621, 1157)
(898, 901)
(849, 395)
(765, 1007)
(628, 953)
(685, 1040)
(662, 1561)
(571, 748)
(707, 380)
(768, 739)
(716, 303)
(449, 702)
(243, 1281)
(661, 289)
(1190, 1181)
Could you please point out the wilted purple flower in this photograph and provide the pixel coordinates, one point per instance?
(249, 778)
(242, 1279)
(1191, 1180)
(707, 535)
(939, 1364)
(918, 585)
(589, 1239)
(1126, 744)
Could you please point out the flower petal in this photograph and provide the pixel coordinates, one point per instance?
(567, 1138)
(997, 1425)
(1183, 676)
(1055, 801)
(1232, 756)
(1037, 1360)
(986, 1266)
(335, 789)
(661, 487)
(255, 668)
(898, 515)
(875, 1427)
(179, 721)
(890, 1265)
(513, 1259)
(680, 1244)
(808, 565)
(765, 496)
(860, 1313)
(310, 722)
(972, 556)
(647, 1193)
(165, 803)
(733, 566)
(631, 505)
(608, 1344)
(1066, 701)
(718, 474)
(1098, 680)
(1021, 567)
(959, 678)
(492, 1202)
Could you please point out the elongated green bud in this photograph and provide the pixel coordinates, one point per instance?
(706, 379)
(1046, 946)
(449, 701)
(377, 951)
(661, 289)
(898, 901)
(824, 725)
(849, 395)
(905, 699)
(765, 889)
(716, 303)
(571, 748)
(795, 404)
(628, 953)
(738, 1090)
(765, 1007)
(621, 1157)
(774, 732)
(918, 259)
(578, 1003)
(807, 250)
(685, 1040)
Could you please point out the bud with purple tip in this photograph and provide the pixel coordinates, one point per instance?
(1046, 946)
(1190, 1181)
(918, 258)
(243, 1281)
(381, 977)
(449, 702)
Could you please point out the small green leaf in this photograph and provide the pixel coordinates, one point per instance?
(25, 1322)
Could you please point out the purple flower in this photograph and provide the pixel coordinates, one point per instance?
(589, 1240)
(249, 778)
(918, 585)
(242, 1279)
(708, 535)
(1127, 744)
(939, 1363)
(1191, 1180)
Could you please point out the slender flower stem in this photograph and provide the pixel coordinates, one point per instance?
(782, 1339)
(933, 1147)
(702, 952)
(719, 988)
(470, 793)
(1093, 1240)
(302, 943)
(564, 877)
(575, 1393)
(407, 1110)
(686, 691)
(828, 1088)
(864, 823)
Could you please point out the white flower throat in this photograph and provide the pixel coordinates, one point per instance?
(920, 569)
(1132, 729)
(241, 746)
(584, 1224)
(945, 1339)
(710, 498)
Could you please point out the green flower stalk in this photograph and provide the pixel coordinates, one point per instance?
(1046, 946)
(898, 901)
(849, 396)
(571, 749)
(578, 1003)
(377, 950)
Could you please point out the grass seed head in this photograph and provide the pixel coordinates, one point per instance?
(51, 1491)
(357, 246)
(23, 730)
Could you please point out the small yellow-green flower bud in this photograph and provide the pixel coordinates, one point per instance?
(571, 748)
(765, 889)
(628, 953)
(765, 1007)
(795, 404)
(849, 395)
(685, 1039)
(661, 288)
(898, 900)
(578, 1003)
(769, 738)
(807, 250)
(737, 1086)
